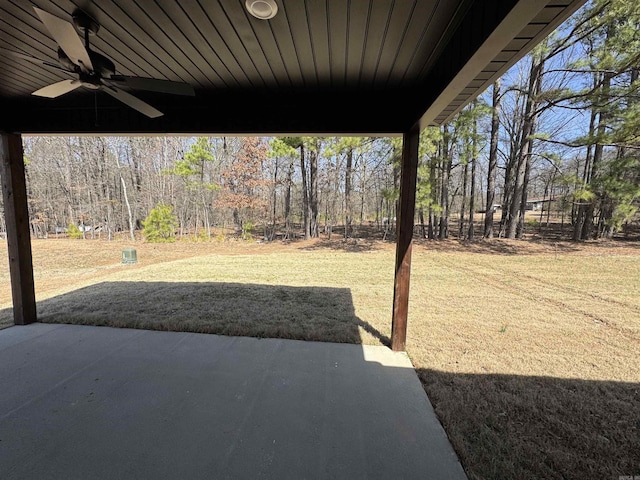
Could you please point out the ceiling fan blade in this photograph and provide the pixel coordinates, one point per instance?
(57, 89)
(154, 85)
(132, 102)
(37, 61)
(66, 36)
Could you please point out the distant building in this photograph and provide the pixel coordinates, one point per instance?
(537, 204)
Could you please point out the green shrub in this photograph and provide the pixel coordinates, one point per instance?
(160, 225)
(533, 223)
(247, 227)
(73, 231)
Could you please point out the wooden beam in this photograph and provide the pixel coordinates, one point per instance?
(272, 112)
(407, 203)
(16, 212)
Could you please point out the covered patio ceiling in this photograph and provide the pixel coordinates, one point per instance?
(343, 66)
(317, 67)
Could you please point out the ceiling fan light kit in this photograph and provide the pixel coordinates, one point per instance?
(92, 69)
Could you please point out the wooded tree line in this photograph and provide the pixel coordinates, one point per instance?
(106, 185)
(571, 119)
(563, 125)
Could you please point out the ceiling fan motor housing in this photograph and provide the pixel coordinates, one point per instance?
(102, 66)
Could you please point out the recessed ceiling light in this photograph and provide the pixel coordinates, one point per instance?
(262, 9)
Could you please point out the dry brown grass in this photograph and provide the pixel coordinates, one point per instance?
(531, 359)
(528, 350)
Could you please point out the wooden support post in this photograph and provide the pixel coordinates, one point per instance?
(16, 212)
(407, 203)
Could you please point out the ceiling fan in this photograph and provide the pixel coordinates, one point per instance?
(94, 71)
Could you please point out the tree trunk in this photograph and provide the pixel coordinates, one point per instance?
(313, 196)
(305, 195)
(136, 181)
(581, 211)
(528, 150)
(443, 231)
(272, 234)
(493, 162)
(434, 199)
(126, 200)
(362, 190)
(472, 193)
(587, 227)
(287, 200)
(517, 207)
(347, 194)
(507, 193)
(463, 202)
(525, 186)
(109, 212)
(514, 204)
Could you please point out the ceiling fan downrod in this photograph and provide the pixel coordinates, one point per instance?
(86, 26)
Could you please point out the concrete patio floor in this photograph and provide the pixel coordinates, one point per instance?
(81, 402)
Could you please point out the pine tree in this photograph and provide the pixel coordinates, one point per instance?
(609, 192)
(160, 225)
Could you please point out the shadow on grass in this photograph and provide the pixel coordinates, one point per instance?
(301, 313)
(527, 246)
(500, 246)
(351, 245)
(507, 426)
(6, 317)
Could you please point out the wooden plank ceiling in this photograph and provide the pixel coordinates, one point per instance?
(318, 66)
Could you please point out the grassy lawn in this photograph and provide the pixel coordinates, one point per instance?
(528, 351)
